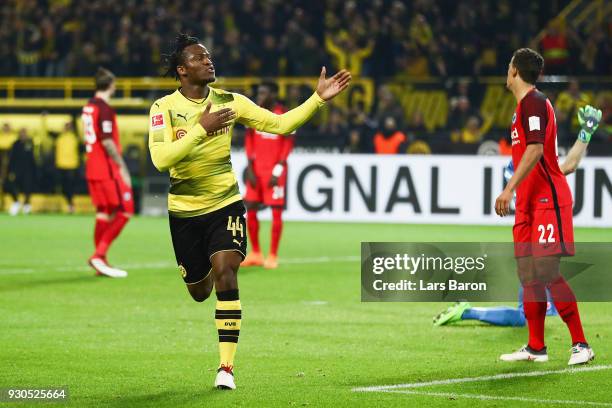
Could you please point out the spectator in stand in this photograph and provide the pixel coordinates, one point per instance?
(361, 127)
(472, 132)
(461, 111)
(387, 105)
(555, 49)
(347, 54)
(446, 38)
(353, 144)
(605, 127)
(389, 139)
(67, 162)
(28, 47)
(7, 138)
(21, 172)
(421, 33)
(419, 147)
(462, 89)
(595, 57)
(567, 104)
(305, 56)
(416, 126)
(335, 128)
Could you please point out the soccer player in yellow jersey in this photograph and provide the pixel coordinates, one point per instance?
(190, 132)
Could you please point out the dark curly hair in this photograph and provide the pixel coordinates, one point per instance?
(176, 57)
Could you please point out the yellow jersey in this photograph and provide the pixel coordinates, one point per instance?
(67, 151)
(201, 176)
(7, 139)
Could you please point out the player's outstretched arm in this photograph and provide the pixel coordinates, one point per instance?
(251, 115)
(589, 118)
(165, 152)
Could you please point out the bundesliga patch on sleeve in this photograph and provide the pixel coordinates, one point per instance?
(107, 126)
(157, 121)
(534, 123)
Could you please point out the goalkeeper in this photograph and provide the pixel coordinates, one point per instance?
(589, 118)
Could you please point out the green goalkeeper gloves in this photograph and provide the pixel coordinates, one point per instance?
(589, 118)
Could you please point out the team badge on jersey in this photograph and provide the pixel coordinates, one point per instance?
(157, 121)
(514, 118)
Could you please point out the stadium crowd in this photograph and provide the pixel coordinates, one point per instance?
(382, 39)
(379, 38)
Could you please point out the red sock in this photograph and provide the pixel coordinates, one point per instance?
(565, 302)
(277, 229)
(253, 227)
(101, 226)
(113, 230)
(535, 312)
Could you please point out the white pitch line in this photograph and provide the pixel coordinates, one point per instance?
(163, 265)
(498, 398)
(378, 388)
(321, 259)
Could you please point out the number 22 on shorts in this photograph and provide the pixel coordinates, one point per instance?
(543, 230)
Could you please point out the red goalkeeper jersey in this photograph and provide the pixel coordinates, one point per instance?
(99, 123)
(267, 149)
(545, 186)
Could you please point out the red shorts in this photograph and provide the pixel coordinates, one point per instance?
(544, 232)
(111, 195)
(263, 193)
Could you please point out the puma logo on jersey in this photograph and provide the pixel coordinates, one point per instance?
(184, 116)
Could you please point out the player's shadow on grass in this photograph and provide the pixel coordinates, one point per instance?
(23, 284)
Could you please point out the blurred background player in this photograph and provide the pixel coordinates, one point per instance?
(108, 178)
(21, 172)
(266, 178)
(589, 118)
(67, 162)
(543, 228)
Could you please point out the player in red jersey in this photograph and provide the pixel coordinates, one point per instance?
(107, 175)
(543, 228)
(266, 178)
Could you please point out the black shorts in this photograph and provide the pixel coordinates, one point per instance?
(197, 239)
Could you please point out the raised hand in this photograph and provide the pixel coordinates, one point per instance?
(589, 118)
(327, 88)
(214, 121)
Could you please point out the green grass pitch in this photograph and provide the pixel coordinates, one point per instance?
(306, 338)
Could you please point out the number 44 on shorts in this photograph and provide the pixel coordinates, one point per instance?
(235, 226)
(543, 230)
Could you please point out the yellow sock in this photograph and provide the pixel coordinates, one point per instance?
(227, 318)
